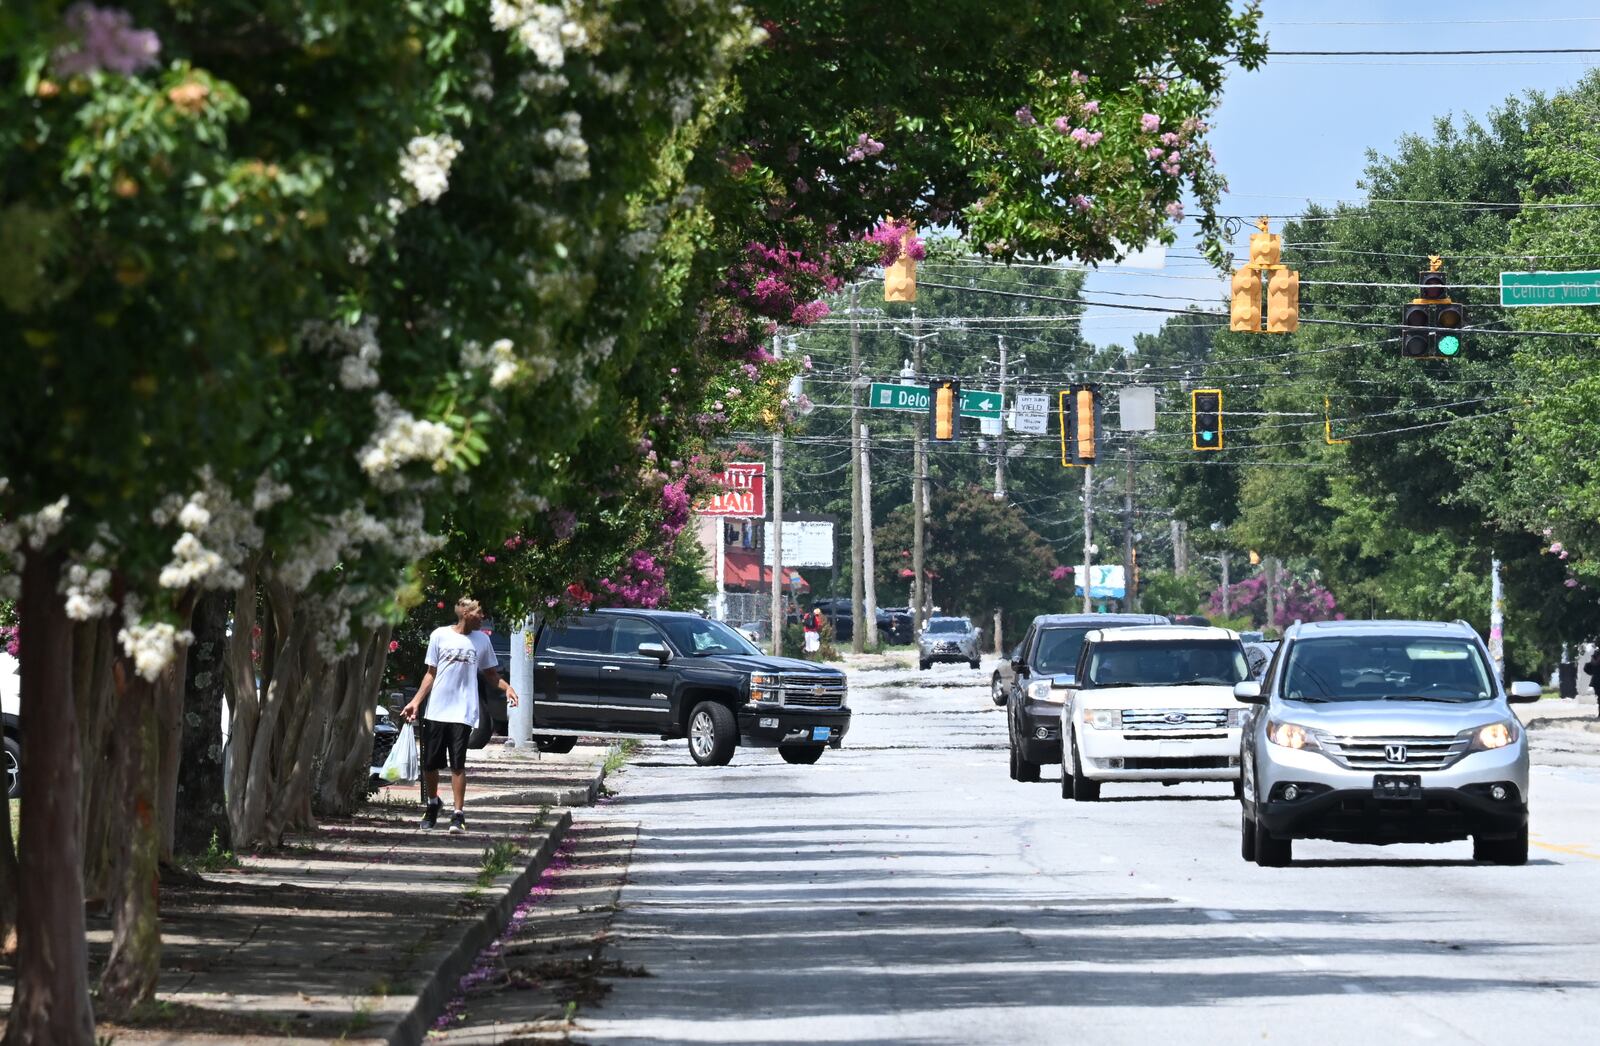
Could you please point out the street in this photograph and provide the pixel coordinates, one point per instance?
(903, 890)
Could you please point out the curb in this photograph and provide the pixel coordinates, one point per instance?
(440, 985)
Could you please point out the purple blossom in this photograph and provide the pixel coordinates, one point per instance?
(802, 186)
(1150, 123)
(865, 146)
(1170, 139)
(1556, 546)
(1175, 211)
(1093, 139)
(1080, 135)
(106, 41)
(1025, 117)
(750, 371)
(1078, 78)
(1091, 108)
(1082, 202)
(1061, 125)
(1571, 582)
(805, 362)
(1154, 152)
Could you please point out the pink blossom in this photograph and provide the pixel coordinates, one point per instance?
(1093, 139)
(802, 186)
(1555, 546)
(1174, 156)
(805, 361)
(750, 371)
(1061, 125)
(1547, 531)
(1078, 78)
(1563, 553)
(1080, 135)
(1060, 573)
(562, 523)
(105, 42)
(1170, 139)
(1154, 152)
(1150, 123)
(865, 146)
(1025, 117)
(1082, 203)
(1175, 211)
(1571, 582)
(1091, 108)
(488, 559)
(394, 644)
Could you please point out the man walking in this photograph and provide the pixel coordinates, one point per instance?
(457, 656)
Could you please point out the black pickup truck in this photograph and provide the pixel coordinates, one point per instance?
(656, 673)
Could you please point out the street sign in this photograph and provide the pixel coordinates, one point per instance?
(975, 403)
(1138, 403)
(743, 494)
(1037, 424)
(806, 543)
(1550, 288)
(1031, 412)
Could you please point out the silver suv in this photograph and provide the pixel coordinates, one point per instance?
(1384, 732)
(948, 639)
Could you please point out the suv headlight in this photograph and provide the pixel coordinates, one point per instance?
(1494, 735)
(765, 688)
(1291, 735)
(1101, 718)
(1041, 690)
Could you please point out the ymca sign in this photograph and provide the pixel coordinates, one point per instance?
(744, 492)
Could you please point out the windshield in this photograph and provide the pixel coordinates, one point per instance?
(949, 624)
(1167, 662)
(1058, 649)
(1386, 668)
(700, 638)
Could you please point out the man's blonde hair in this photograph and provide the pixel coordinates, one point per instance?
(467, 605)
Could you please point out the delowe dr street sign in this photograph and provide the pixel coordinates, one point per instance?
(1550, 288)
(975, 403)
(744, 492)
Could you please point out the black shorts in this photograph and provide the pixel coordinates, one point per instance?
(442, 742)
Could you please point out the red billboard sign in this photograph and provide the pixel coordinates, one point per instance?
(744, 492)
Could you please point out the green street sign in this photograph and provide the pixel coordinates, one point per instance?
(975, 403)
(1550, 288)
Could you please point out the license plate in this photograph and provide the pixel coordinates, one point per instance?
(1397, 786)
(821, 733)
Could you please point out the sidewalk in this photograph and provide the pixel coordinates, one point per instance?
(360, 930)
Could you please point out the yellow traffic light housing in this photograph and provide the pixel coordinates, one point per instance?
(1078, 411)
(1205, 419)
(1264, 247)
(900, 277)
(1245, 315)
(944, 411)
(1283, 302)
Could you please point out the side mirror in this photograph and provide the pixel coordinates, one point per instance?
(1525, 692)
(1248, 692)
(655, 650)
(1016, 664)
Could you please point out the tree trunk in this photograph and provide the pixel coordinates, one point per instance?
(346, 754)
(94, 650)
(135, 961)
(51, 1006)
(198, 814)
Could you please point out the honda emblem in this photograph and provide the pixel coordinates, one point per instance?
(1394, 753)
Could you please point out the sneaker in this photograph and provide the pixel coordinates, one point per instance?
(458, 823)
(430, 815)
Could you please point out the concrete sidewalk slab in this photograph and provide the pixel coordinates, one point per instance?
(358, 930)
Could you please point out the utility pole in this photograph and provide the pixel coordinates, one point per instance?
(777, 526)
(1088, 534)
(868, 552)
(858, 637)
(1180, 552)
(1000, 441)
(1497, 619)
(1130, 589)
(1272, 590)
(1225, 582)
(919, 493)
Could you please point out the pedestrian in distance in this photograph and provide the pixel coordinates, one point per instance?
(458, 655)
(813, 631)
(1591, 668)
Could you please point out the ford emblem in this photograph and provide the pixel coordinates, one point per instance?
(1177, 717)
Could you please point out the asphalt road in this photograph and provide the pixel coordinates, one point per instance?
(904, 890)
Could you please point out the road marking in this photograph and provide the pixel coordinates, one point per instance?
(1310, 962)
(1574, 851)
(1219, 915)
(1107, 859)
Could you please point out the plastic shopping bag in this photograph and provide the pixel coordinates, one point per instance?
(402, 764)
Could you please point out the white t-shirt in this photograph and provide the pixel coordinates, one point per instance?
(456, 660)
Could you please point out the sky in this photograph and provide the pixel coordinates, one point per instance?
(1299, 128)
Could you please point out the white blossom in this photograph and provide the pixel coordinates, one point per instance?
(153, 647)
(356, 347)
(191, 564)
(548, 31)
(425, 164)
(572, 152)
(87, 591)
(268, 493)
(45, 524)
(402, 438)
(193, 515)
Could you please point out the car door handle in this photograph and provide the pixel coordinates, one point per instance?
(610, 668)
(544, 664)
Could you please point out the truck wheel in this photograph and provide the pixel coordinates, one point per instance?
(1270, 852)
(997, 693)
(13, 767)
(802, 755)
(713, 734)
(1247, 837)
(558, 745)
(1083, 789)
(1496, 851)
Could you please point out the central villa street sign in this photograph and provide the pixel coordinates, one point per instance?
(975, 403)
(1550, 288)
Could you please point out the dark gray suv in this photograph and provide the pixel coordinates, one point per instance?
(1037, 681)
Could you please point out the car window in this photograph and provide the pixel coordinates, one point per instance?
(699, 637)
(1165, 662)
(630, 632)
(577, 635)
(1057, 650)
(949, 624)
(1394, 668)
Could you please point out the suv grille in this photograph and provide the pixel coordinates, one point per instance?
(812, 691)
(1416, 753)
(1178, 719)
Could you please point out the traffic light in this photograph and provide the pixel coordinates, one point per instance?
(1431, 323)
(1079, 412)
(944, 411)
(1205, 418)
(1245, 315)
(1283, 302)
(900, 278)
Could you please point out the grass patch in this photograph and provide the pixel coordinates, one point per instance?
(620, 754)
(496, 861)
(214, 859)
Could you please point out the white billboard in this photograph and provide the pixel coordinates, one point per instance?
(806, 543)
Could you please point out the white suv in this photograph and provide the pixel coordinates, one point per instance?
(1153, 703)
(10, 708)
(1384, 732)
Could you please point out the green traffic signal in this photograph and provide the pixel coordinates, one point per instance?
(1449, 345)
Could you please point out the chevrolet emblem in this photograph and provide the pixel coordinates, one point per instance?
(816, 691)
